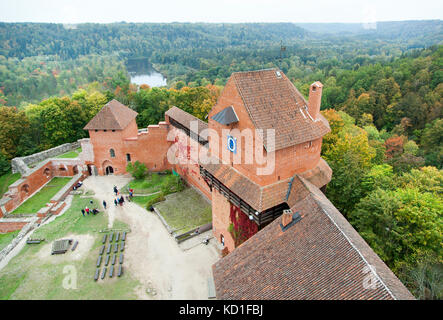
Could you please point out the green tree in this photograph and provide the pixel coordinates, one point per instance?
(138, 170)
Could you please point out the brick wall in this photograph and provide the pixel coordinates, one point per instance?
(221, 220)
(11, 226)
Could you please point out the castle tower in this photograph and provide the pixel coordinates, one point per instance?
(108, 130)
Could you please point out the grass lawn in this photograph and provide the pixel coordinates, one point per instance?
(29, 275)
(152, 183)
(6, 238)
(142, 200)
(6, 180)
(70, 154)
(39, 200)
(185, 210)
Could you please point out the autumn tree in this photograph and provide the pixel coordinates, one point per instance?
(13, 124)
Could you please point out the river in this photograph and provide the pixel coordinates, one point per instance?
(142, 72)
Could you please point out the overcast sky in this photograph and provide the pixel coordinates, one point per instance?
(76, 11)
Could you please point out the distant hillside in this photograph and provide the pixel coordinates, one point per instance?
(135, 39)
(391, 28)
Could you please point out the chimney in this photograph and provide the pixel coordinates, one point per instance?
(288, 219)
(315, 99)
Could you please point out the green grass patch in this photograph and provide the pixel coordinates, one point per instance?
(6, 238)
(39, 200)
(70, 154)
(6, 180)
(152, 183)
(143, 200)
(185, 210)
(29, 276)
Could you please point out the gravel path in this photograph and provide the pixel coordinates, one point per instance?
(152, 256)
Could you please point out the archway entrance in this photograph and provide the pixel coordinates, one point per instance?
(75, 170)
(109, 170)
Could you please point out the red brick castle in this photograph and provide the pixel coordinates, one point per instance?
(264, 174)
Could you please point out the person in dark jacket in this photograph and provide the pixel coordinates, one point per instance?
(104, 204)
(115, 202)
(83, 212)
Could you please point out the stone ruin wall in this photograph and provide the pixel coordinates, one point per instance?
(21, 164)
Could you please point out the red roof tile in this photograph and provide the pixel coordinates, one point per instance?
(273, 102)
(319, 257)
(185, 119)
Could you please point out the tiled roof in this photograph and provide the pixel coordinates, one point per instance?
(259, 197)
(113, 116)
(185, 119)
(319, 257)
(273, 102)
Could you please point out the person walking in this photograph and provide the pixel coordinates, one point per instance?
(115, 190)
(104, 204)
(83, 212)
(115, 202)
(87, 210)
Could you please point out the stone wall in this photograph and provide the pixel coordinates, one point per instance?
(22, 164)
(25, 230)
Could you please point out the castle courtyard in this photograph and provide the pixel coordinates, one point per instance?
(155, 266)
(153, 256)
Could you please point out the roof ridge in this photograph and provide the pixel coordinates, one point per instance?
(354, 247)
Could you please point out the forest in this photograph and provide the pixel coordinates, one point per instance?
(382, 95)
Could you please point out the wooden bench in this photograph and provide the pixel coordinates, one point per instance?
(97, 272)
(104, 238)
(103, 272)
(120, 270)
(74, 246)
(99, 261)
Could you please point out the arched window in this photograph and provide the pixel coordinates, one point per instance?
(112, 153)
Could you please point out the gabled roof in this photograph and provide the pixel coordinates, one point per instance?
(226, 116)
(319, 257)
(273, 102)
(113, 116)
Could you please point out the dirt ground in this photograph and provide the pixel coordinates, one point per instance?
(84, 246)
(165, 269)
